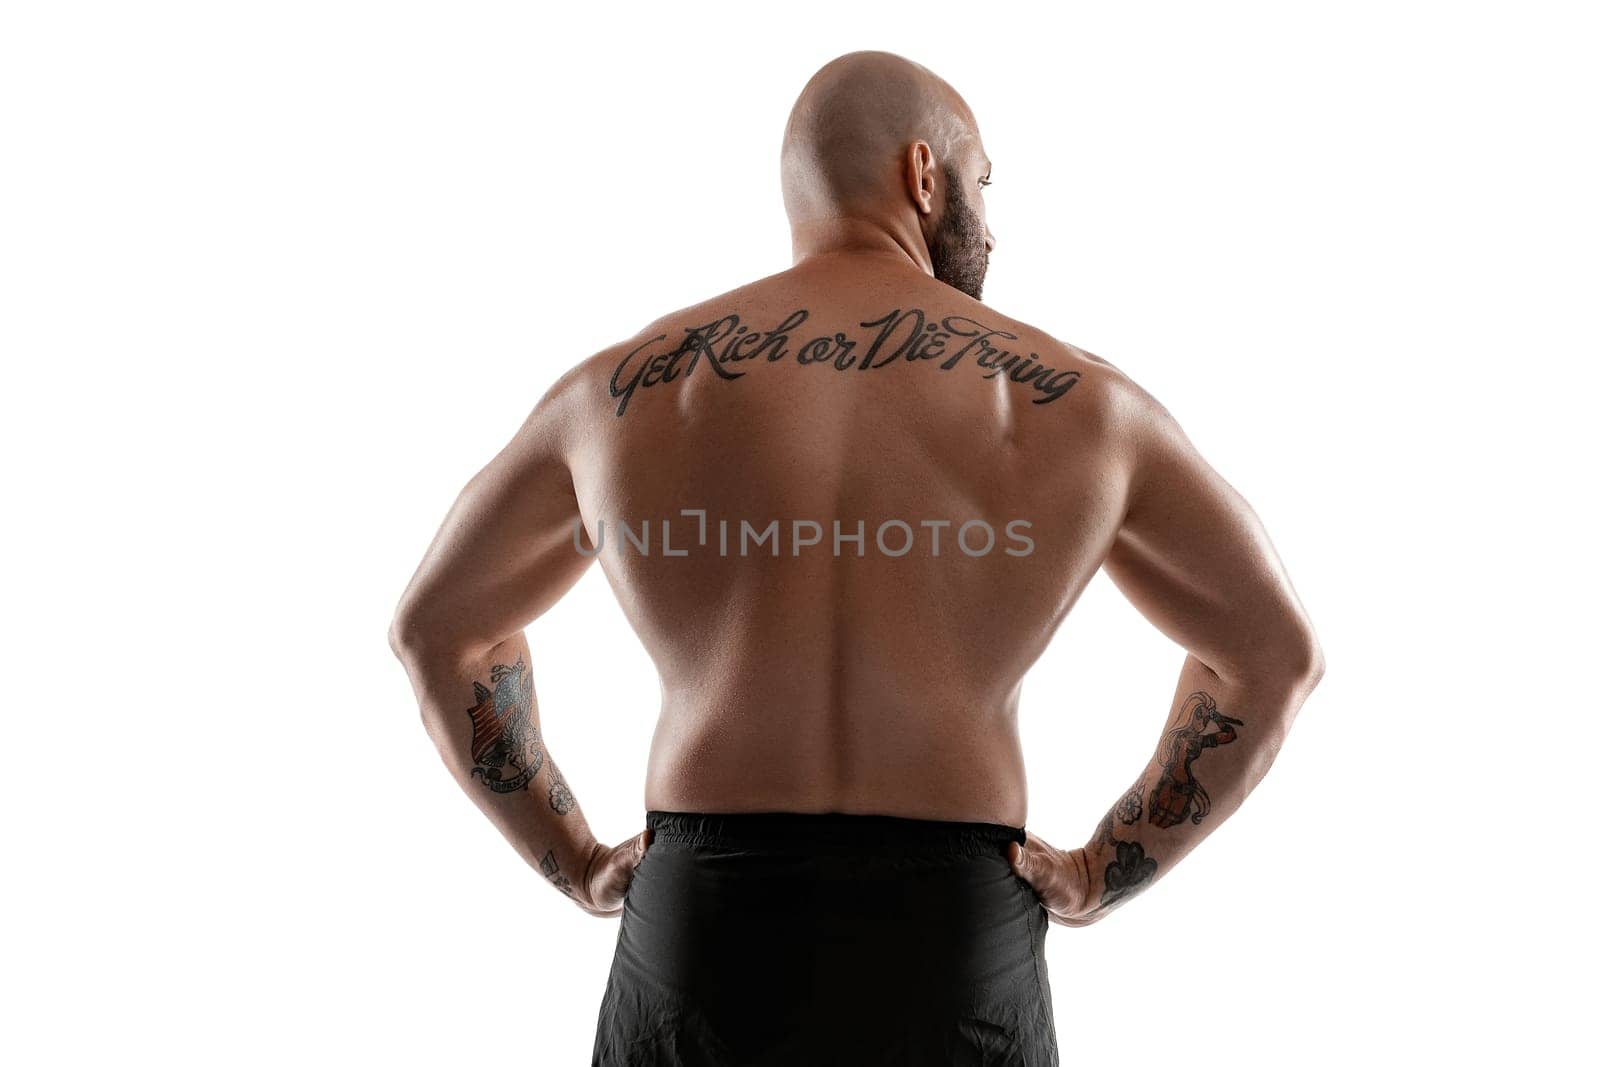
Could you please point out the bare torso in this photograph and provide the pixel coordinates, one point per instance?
(866, 681)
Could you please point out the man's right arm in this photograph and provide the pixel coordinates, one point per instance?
(1195, 560)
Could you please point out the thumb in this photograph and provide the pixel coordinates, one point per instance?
(1018, 856)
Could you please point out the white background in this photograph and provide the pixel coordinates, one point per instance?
(276, 279)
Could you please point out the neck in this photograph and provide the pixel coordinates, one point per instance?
(848, 236)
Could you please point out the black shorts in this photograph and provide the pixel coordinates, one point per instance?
(827, 939)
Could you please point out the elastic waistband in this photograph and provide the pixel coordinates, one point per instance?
(833, 831)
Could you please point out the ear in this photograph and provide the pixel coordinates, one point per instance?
(920, 176)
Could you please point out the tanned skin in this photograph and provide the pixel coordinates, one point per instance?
(867, 384)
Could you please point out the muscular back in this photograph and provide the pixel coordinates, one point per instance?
(845, 507)
(980, 461)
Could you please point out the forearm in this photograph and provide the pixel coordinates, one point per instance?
(1218, 743)
(482, 713)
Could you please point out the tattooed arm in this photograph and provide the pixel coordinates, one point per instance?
(1194, 559)
(502, 557)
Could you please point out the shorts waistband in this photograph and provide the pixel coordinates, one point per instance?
(806, 831)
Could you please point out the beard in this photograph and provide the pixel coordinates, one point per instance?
(958, 249)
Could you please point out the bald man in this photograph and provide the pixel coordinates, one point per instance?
(845, 507)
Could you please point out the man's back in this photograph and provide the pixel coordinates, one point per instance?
(805, 671)
(844, 508)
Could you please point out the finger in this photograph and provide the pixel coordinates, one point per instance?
(1034, 865)
(1027, 866)
(591, 870)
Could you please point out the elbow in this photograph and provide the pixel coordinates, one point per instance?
(1317, 666)
(1294, 661)
(413, 644)
(411, 635)
(402, 637)
(422, 639)
(1304, 664)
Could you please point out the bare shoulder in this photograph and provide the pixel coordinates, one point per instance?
(566, 414)
(570, 408)
(1134, 432)
(589, 395)
(602, 383)
(1106, 397)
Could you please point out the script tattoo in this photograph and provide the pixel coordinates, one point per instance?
(1177, 791)
(1128, 873)
(547, 867)
(504, 739)
(904, 334)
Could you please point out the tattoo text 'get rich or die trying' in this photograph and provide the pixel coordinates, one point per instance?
(902, 334)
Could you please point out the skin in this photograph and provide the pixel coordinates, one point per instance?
(864, 683)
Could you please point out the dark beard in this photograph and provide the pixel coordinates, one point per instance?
(959, 250)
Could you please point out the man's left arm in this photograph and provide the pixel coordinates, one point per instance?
(503, 556)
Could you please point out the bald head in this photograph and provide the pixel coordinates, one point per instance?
(845, 143)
